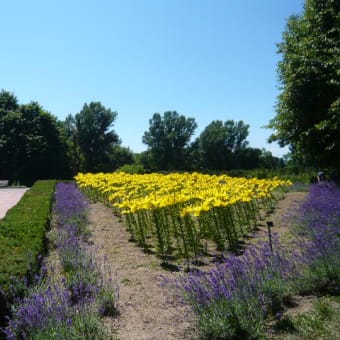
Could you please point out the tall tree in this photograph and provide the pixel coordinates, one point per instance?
(95, 137)
(167, 139)
(71, 135)
(220, 142)
(8, 102)
(121, 156)
(31, 145)
(308, 108)
(46, 150)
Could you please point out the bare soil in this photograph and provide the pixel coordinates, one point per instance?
(148, 309)
(281, 216)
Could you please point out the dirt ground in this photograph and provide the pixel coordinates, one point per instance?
(281, 217)
(149, 310)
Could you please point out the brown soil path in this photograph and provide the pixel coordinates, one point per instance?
(281, 217)
(148, 310)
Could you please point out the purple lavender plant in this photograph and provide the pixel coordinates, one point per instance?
(236, 296)
(50, 314)
(321, 210)
(70, 205)
(40, 310)
(319, 220)
(69, 310)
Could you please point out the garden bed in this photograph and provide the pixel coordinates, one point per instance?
(23, 241)
(150, 305)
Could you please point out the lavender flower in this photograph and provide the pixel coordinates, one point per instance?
(234, 298)
(67, 310)
(70, 205)
(38, 311)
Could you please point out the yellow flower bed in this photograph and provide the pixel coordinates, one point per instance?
(177, 212)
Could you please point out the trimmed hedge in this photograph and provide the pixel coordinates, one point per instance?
(22, 240)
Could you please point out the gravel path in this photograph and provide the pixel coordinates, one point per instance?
(9, 197)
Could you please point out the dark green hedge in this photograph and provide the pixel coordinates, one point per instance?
(22, 239)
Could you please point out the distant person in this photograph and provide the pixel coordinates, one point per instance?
(320, 176)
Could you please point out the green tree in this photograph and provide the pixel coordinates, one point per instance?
(70, 132)
(8, 102)
(121, 156)
(193, 156)
(308, 108)
(145, 158)
(247, 158)
(268, 161)
(95, 137)
(220, 143)
(46, 150)
(167, 139)
(31, 144)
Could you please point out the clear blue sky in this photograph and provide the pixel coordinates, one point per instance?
(207, 59)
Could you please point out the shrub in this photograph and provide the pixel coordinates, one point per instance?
(134, 168)
(234, 299)
(49, 312)
(72, 307)
(22, 241)
(319, 226)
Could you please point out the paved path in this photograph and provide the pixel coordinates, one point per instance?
(9, 197)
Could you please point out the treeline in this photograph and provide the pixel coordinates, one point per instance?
(34, 144)
(220, 146)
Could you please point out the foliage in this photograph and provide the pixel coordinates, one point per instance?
(320, 323)
(49, 312)
(224, 146)
(34, 144)
(8, 102)
(121, 156)
(31, 144)
(319, 222)
(70, 131)
(167, 138)
(94, 137)
(83, 278)
(175, 214)
(22, 240)
(306, 177)
(308, 114)
(219, 141)
(234, 300)
(134, 168)
(70, 308)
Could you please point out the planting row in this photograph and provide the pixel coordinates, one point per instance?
(177, 214)
(22, 240)
(235, 299)
(67, 304)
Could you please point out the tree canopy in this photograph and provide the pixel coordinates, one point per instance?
(308, 108)
(35, 145)
(8, 102)
(95, 137)
(31, 145)
(167, 138)
(219, 142)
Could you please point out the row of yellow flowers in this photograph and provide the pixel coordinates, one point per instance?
(187, 205)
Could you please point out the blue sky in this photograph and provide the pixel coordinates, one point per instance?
(207, 59)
